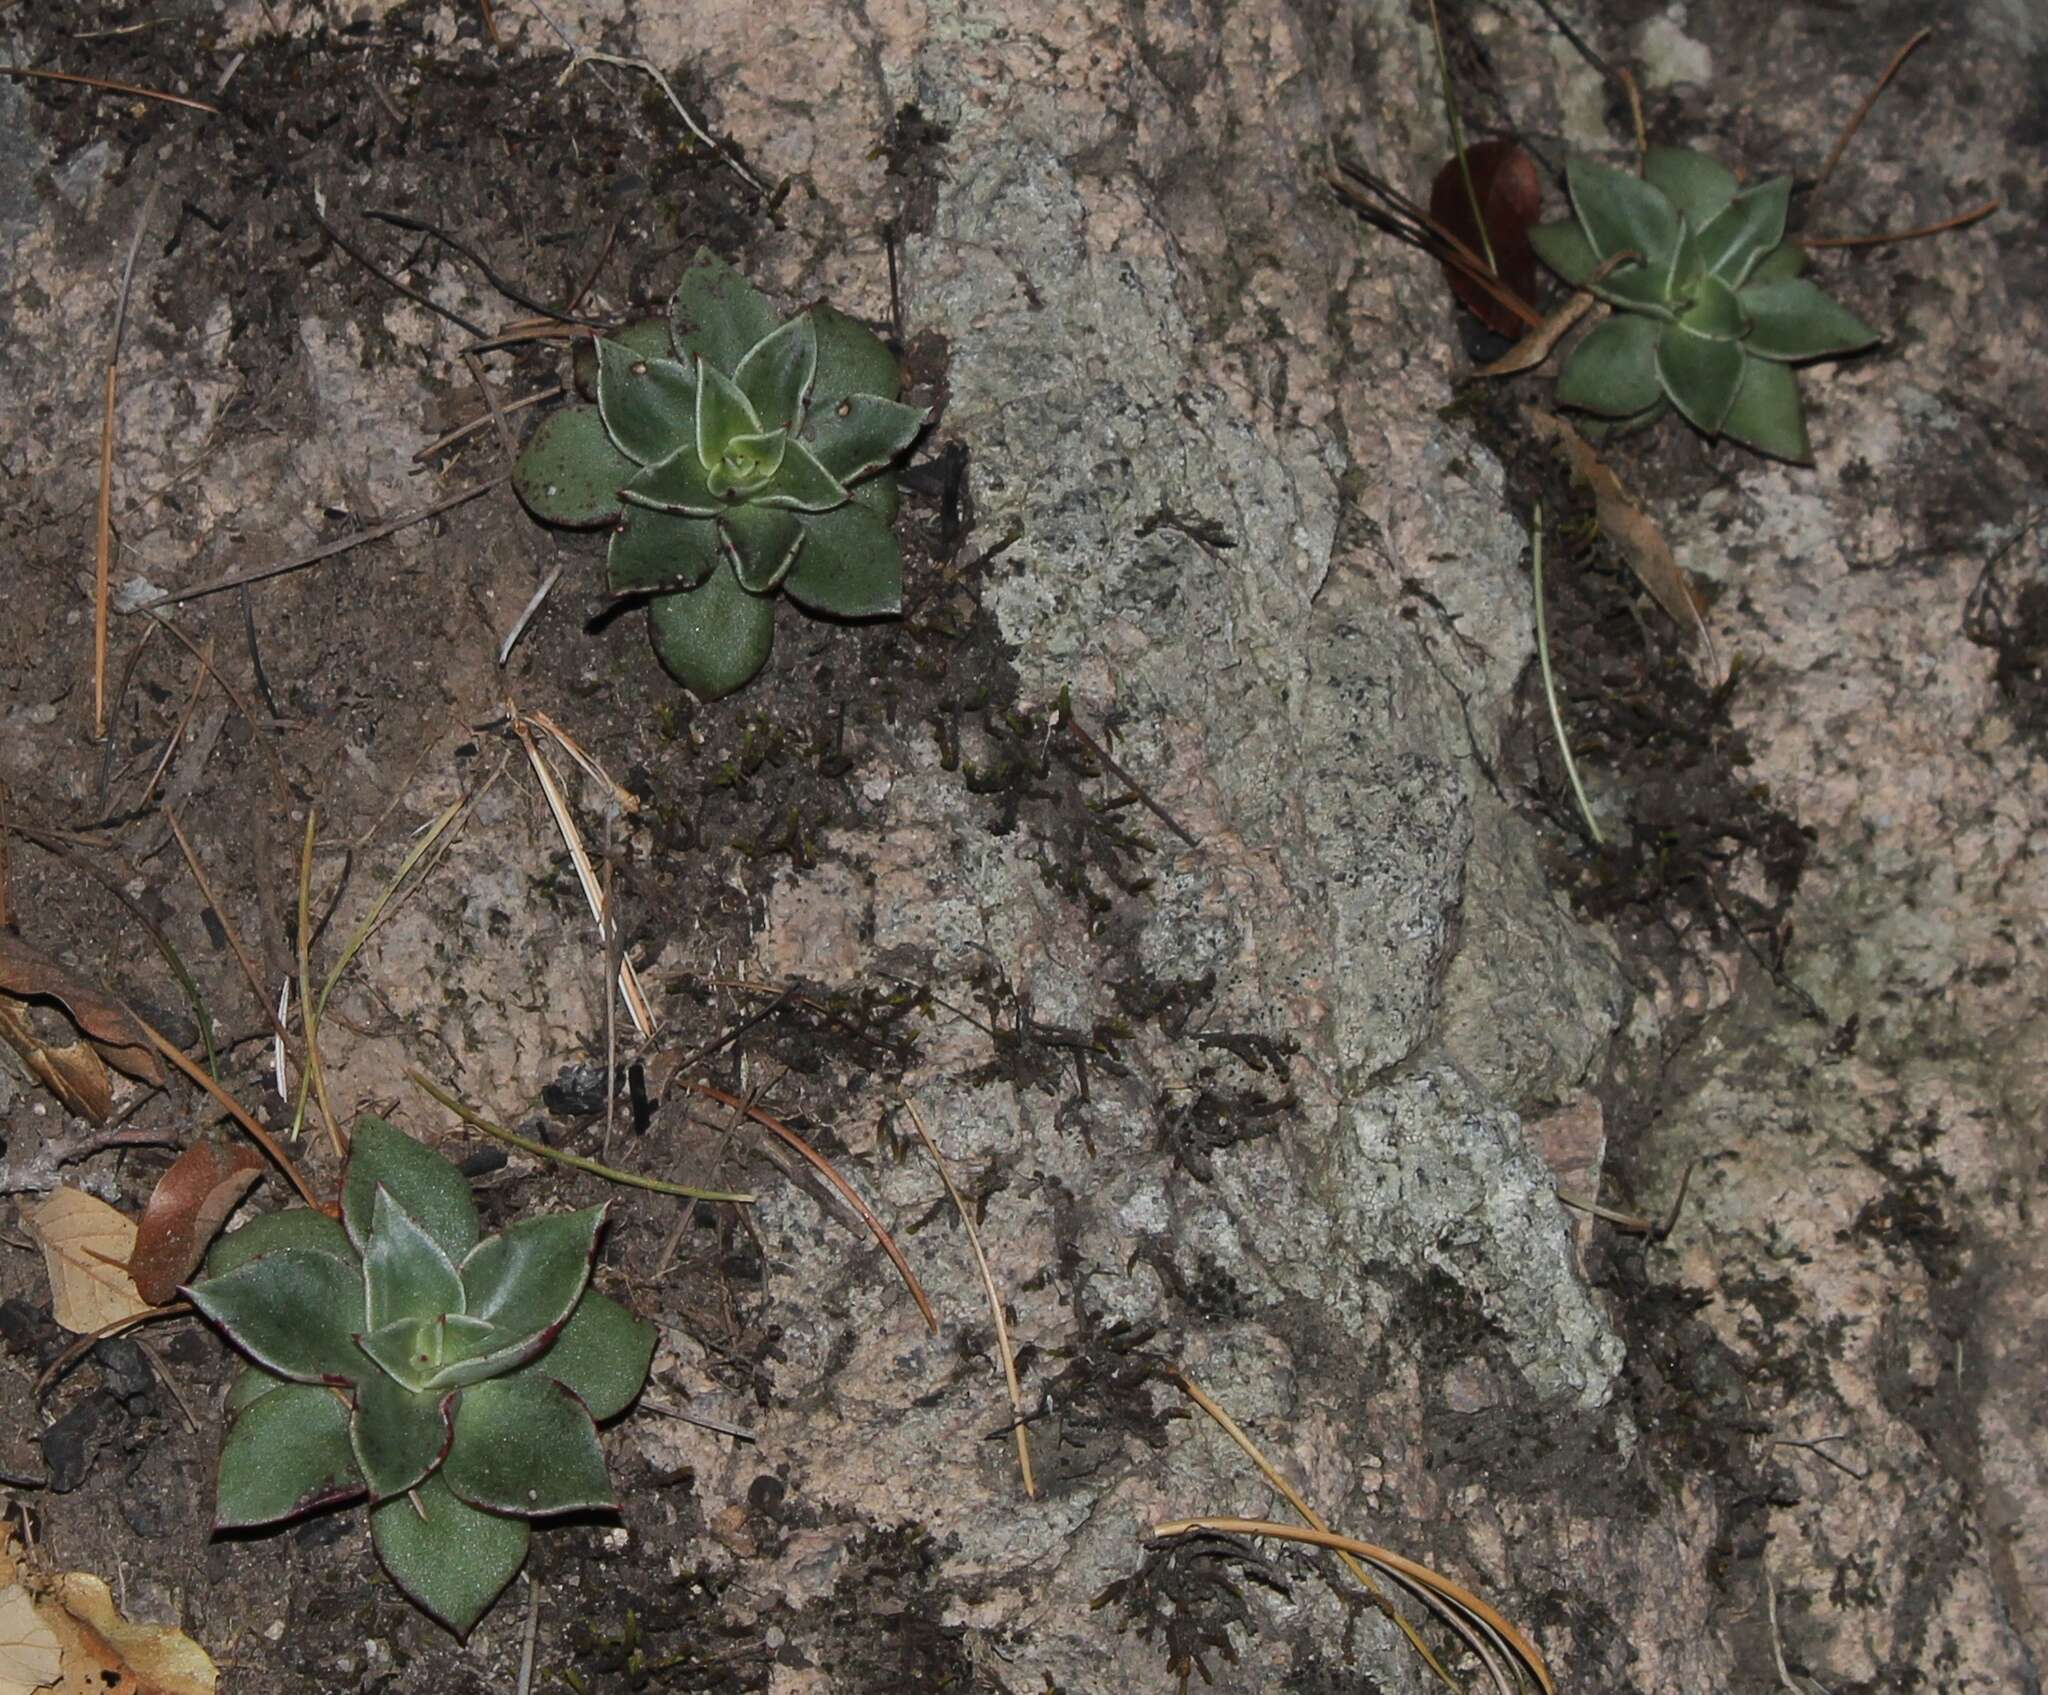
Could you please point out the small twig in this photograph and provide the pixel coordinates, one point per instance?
(163, 763)
(419, 226)
(103, 548)
(310, 1010)
(1863, 111)
(106, 87)
(483, 387)
(1635, 1224)
(1065, 715)
(1882, 237)
(1813, 1446)
(463, 432)
(1635, 108)
(93, 1338)
(163, 1370)
(327, 550)
(532, 1587)
(584, 55)
(227, 924)
(995, 1299)
(262, 1137)
(704, 1421)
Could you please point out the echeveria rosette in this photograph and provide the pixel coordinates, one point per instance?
(397, 1353)
(1710, 316)
(734, 458)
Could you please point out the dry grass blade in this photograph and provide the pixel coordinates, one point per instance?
(106, 87)
(103, 545)
(1383, 1559)
(314, 1078)
(830, 1173)
(995, 1300)
(1309, 1516)
(576, 1162)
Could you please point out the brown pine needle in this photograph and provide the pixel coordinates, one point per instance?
(93, 1338)
(1310, 1517)
(1863, 111)
(1434, 1582)
(234, 1109)
(831, 1175)
(227, 924)
(995, 1300)
(103, 538)
(309, 1012)
(107, 87)
(1884, 237)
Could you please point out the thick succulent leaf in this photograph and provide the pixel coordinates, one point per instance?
(285, 1453)
(713, 639)
(398, 1434)
(717, 314)
(1614, 370)
(723, 414)
(487, 1351)
(1564, 248)
(1698, 186)
(678, 485)
(801, 484)
(658, 550)
(1636, 288)
(777, 373)
(408, 1351)
(863, 434)
(570, 470)
(295, 1227)
(405, 1273)
(749, 465)
(249, 1384)
(1682, 274)
(450, 1559)
(646, 339)
(525, 1445)
(852, 359)
(1619, 211)
(1781, 264)
(601, 1356)
(849, 566)
(648, 405)
(1767, 414)
(1753, 224)
(528, 1280)
(762, 543)
(1716, 312)
(1794, 320)
(1699, 376)
(294, 1310)
(424, 1185)
(878, 494)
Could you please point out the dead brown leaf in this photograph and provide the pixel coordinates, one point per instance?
(1630, 528)
(190, 1203)
(86, 1246)
(1510, 195)
(66, 1635)
(72, 1071)
(1535, 347)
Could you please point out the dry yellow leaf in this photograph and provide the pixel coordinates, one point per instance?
(87, 1246)
(30, 1657)
(106, 1655)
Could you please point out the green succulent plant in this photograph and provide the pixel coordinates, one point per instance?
(454, 1379)
(733, 458)
(1711, 314)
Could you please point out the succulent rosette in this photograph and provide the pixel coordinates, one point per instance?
(734, 458)
(397, 1353)
(1711, 313)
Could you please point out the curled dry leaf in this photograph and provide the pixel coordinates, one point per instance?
(72, 1071)
(1510, 195)
(30, 1657)
(190, 1203)
(65, 1634)
(86, 1246)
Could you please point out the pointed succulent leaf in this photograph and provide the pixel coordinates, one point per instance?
(1752, 224)
(295, 1227)
(397, 1434)
(423, 1184)
(1611, 430)
(490, 1351)
(863, 434)
(1620, 212)
(293, 1310)
(646, 339)
(525, 1445)
(285, 1454)
(1715, 312)
(251, 1383)
(713, 639)
(407, 1350)
(601, 1356)
(405, 1273)
(762, 543)
(1784, 262)
(723, 412)
(878, 495)
(677, 485)
(1699, 376)
(1635, 288)
(658, 550)
(801, 484)
(852, 359)
(717, 314)
(1614, 370)
(1767, 414)
(777, 372)
(648, 405)
(848, 567)
(450, 1559)
(1698, 186)
(1794, 320)
(528, 1280)
(570, 471)
(1564, 248)
(1682, 274)
(749, 465)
